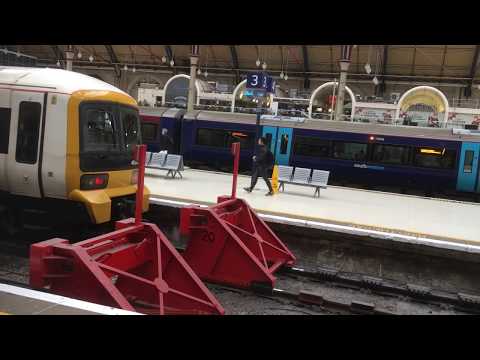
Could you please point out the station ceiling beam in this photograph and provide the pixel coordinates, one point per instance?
(114, 60)
(380, 88)
(58, 53)
(306, 67)
(414, 59)
(169, 52)
(233, 52)
(473, 71)
(444, 57)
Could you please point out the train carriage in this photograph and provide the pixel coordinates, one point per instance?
(66, 146)
(430, 159)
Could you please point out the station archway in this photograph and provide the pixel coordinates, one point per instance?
(421, 104)
(321, 96)
(176, 90)
(239, 99)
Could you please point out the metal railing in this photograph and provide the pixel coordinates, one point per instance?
(465, 103)
(374, 120)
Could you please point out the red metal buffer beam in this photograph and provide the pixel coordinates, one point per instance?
(230, 244)
(134, 268)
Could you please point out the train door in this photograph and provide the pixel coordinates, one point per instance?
(5, 116)
(468, 167)
(270, 133)
(284, 144)
(25, 135)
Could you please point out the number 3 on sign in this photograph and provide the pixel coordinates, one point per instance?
(254, 80)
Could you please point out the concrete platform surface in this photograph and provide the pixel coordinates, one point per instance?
(377, 211)
(22, 301)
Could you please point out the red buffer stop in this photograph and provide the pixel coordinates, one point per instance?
(133, 268)
(230, 244)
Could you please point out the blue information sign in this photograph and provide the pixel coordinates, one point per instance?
(270, 85)
(254, 93)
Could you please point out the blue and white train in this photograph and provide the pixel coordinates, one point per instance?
(433, 160)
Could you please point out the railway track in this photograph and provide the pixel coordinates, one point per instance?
(318, 290)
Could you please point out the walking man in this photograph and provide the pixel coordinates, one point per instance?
(262, 162)
(166, 142)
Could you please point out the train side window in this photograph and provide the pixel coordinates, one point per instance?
(390, 154)
(268, 137)
(468, 163)
(310, 146)
(149, 131)
(211, 137)
(349, 151)
(4, 129)
(27, 133)
(284, 144)
(224, 138)
(439, 158)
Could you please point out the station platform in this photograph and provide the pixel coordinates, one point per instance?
(406, 218)
(16, 300)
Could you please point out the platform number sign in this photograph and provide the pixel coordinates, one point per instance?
(260, 81)
(270, 85)
(255, 81)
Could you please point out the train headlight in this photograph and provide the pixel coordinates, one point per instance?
(93, 182)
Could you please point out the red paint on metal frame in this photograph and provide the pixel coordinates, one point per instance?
(236, 158)
(230, 244)
(140, 156)
(134, 268)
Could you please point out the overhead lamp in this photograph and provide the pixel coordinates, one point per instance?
(133, 70)
(58, 63)
(257, 62)
(368, 68)
(282, 75)
(79, 55)
(199, 71)
(164, 59)
(264, 65)
(90, 58)
(375, 80)
(125, 67)
(172, 62)
(285, 77)
(206, 73)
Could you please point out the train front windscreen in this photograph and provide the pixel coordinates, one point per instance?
(108, 135)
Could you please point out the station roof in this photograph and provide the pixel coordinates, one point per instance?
(434, 63)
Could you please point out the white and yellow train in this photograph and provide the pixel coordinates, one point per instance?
(66, 146)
